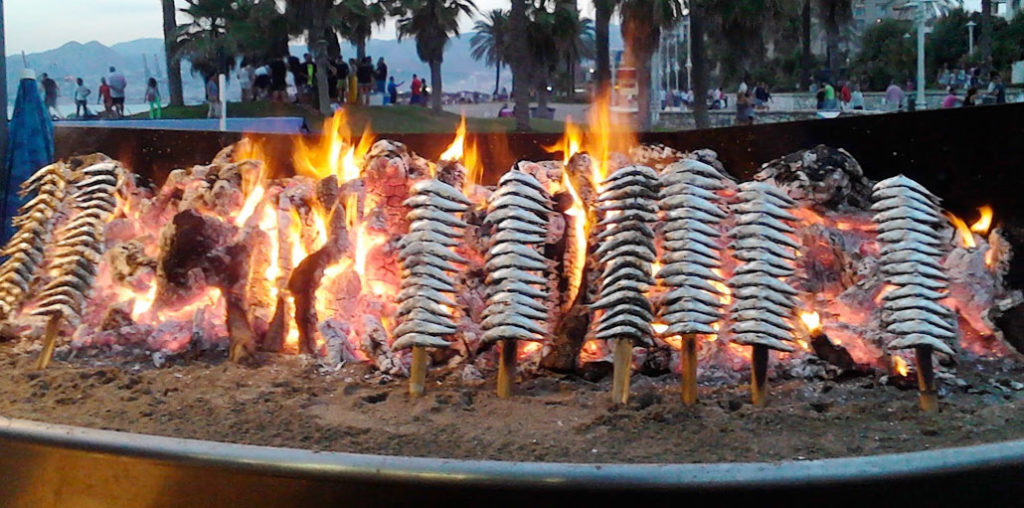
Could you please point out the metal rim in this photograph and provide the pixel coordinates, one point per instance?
(292, 462)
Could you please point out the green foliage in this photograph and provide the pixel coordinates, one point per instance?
(221, 30)
(356, 19)
(432, 23)
(885, 54)
(489, 41)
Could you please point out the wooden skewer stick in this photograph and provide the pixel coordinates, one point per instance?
(689, 368)
(623, 359)
(926, 380)
(418, 371)
(49, 342)
(507, 368)
(759, 376)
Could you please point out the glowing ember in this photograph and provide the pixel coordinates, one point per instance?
(899, 365)
(812, 321)
(984, 222)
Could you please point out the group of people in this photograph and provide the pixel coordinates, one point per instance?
(843, 96)
(348, 82)
(995, 93)
(111, 95)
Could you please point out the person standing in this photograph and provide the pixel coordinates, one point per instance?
(971, 97)
(416, 88)
(342, 70)
(996, 89)
(364, 74)
(153, 99)
(245, 77)
(381, 74)
(857, 98)
(213, 97)
(829, 96)
(309, 73)
(261, 84)
(393, 90)
(118, 84)
(50, 93)
(845, 95)
(950, 100)
(893, 96)
(353, 81)
(81, 99)
(104, 97)
(278, 80)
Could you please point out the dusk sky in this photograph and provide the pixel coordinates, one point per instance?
(38, 25)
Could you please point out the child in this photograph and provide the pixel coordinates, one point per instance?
(153, 98)
(81, 99)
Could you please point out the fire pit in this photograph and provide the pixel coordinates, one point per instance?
(614, 256)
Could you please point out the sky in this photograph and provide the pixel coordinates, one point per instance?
(39, 25)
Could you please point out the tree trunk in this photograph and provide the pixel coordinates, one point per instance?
(333, 45)
(806, 59)
(642, 62)
(985, 38)
(832, 41)
(497, 77)
(520, 65)
(360, 50)
(602, 20)
(572, 80)
(173, 61)
(700, 66)
(435, 85)
(542, 94)
(319, 50)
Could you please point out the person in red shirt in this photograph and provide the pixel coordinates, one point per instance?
(104, 96)
(417, 89)
(845, 95)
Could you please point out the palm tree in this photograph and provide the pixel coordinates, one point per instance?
(603, 10)
(489, 41)
(310, 17)
(699, 57)
(173, 61)
(432, 23)
(835, 15)
(356, 19)
(205, 40)
(642, 22)
(575, 38)
(520, 64)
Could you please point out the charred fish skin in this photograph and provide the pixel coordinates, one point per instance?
(906, 215)
(516, 282)
(626, 253)
(426, 298)
(763, 302)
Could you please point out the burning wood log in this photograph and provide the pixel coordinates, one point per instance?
(78, 250)
(691, 259)
(27, 248)
(424, 305)
(763, 303)
(626, 252)
(907, 216)
(515, 267)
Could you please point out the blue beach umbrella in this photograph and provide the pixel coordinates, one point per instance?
(29, 146)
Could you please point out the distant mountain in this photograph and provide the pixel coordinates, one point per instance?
(142, 58)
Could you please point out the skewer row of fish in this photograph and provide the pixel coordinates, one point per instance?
(627, 201)
(763, 302)
(907, 216)
(425, 299)
(691, 214)
(25, 250)
(516, 286)
(80, 241)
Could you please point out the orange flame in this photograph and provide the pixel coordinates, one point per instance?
(812, 321)
(966, 236)
(328, 156)
(984, 222)
(900, 366)
(571, 142)
(581, 231)
(474, 168)
(455, 150)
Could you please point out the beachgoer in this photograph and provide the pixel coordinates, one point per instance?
(416, 89)
(971, 97)
(364, 75)
(245, 77)
(309, 68)
(278, 80)
(996, 89)
(829, 96)
(104, 97)
(857, 98)
(353, 81)
(118, 84)
(298, 74)
(261, 83)
(762, 96)
(505, 111)
(393, 90)
(81, 99)
(213, 97)
(950, 100)
(893, 96)
(50, 93)
(381, 73)
(744, 106)
(341, 68)
(845, 95)
(153, 99)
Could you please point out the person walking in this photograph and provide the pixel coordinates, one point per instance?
(393, 90)
(416, 89)
(212, 97)
(105, 98)
(153, 99)
(81, 99)
(893, 97)
(381, 73)
(50, 93)
(118, 85)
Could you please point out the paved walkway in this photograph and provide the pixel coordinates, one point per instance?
(578, 112)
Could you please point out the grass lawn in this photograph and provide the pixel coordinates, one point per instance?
(389, 119)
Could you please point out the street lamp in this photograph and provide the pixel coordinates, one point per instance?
(970, 36)
(920, 14)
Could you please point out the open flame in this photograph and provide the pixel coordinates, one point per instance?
(455, 150)
(984, 222)
(899, 366)
(812, 321)
(332, 153)
(964, 232)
